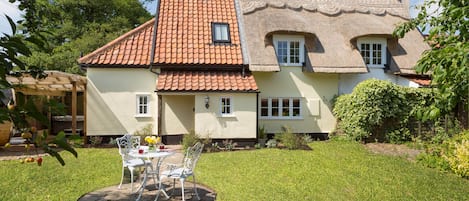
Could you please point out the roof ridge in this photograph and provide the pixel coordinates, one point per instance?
(116, 41)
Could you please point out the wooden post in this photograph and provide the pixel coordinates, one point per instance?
(85, 140)
(49, 116)
(74, 107)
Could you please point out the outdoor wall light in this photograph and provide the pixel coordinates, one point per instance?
(207, 99)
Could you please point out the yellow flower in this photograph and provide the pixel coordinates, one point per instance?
(152, 139)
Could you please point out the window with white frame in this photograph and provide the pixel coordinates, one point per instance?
(373, 51)
(221, 32)
(226, 106)
(143, 105)
(290, 49)
(281, 108)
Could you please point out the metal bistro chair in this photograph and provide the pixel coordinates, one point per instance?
(185, 170)
(126, 144)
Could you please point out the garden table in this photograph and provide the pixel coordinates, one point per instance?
(148, 155)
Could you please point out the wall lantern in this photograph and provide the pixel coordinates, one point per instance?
(207, 99)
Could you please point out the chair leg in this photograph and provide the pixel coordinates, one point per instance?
(182, 188)
(159, 188)
(195, 188)
(131, 180)
(122, 178)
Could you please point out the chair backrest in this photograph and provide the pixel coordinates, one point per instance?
(125, 145)
(192, 156)
(134, 142)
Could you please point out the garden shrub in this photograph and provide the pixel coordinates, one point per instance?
(459, 159)
(272, 143)
(457, 154)
(189, 139)
(432, 158)
(451, 155)
(289, 139)
(379, 110)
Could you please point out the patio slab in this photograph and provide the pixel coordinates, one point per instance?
(114, 193)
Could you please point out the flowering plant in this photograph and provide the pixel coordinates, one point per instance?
(152, 140)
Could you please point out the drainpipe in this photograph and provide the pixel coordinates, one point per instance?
(153, 40)
(257, 115)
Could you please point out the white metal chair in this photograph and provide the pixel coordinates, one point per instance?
(126, 144)
(185, 170)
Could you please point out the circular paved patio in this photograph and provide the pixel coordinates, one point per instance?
(114, 193)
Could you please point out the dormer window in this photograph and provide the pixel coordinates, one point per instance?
(373, 51)
(289, 49)
(220, 33)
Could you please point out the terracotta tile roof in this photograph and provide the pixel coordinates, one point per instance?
(132, 48)
(421, 81)
(184, 37)
(183, 81)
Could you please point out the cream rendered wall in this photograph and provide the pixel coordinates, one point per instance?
(111, 100)
(242, 124)
(349, 81)
(315, 90)
(177, 114)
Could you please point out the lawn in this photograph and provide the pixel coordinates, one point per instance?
(93, 169)
(332, 171)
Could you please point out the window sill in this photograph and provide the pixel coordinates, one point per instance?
(142, 116)
(291, 65)
(375, 66)
(226, 115)
(281, 118)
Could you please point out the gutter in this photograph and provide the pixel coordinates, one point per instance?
(153, 40)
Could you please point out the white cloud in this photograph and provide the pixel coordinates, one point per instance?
(7, 8)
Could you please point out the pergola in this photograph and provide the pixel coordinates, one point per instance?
(55, 84)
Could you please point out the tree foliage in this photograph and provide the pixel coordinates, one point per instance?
(447, 60)
(76, 27)
(18, 112)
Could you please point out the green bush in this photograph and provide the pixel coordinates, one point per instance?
(451, 155)
(432, 158)
(289, 139)
(457, 154)
(189, 139)
(379, 110)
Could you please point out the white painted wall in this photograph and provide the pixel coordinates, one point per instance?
(315, 90)
(242, 124)
(349, 81)
(111, 100)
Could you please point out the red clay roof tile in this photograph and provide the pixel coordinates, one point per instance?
(181, 81)
(184, 37)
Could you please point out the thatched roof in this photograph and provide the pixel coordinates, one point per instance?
(55, 84)
(330, 29)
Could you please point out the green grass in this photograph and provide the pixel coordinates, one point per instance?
(332, 171)
(93, 169)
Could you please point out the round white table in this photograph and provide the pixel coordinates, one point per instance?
(149, 155)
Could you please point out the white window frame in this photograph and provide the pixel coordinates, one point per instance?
(138, 112)
(289, 39)
(372, 41)
(230, 106)
(281, 107)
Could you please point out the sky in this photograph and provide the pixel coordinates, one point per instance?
(11, 10)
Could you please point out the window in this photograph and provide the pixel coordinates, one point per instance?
(226, 106)
(373, 51)
(289, 50)
(143, 105)
(221, 33)
(281, 108)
